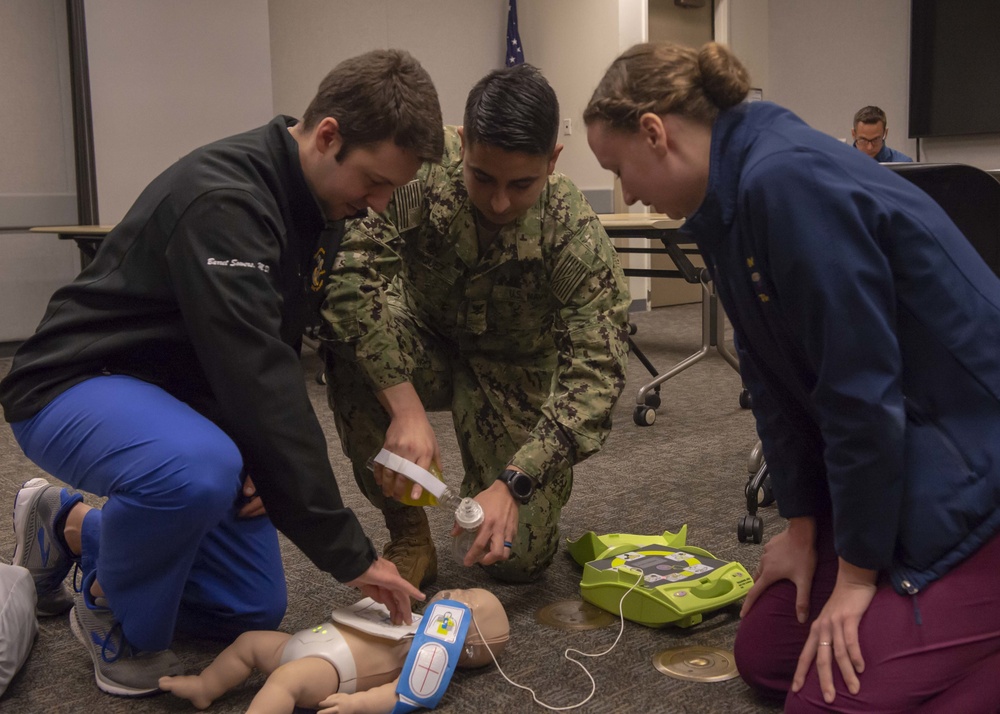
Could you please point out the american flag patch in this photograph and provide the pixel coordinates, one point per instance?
(409, 200)
(569, 272)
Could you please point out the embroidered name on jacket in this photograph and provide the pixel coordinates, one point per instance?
(236, 263)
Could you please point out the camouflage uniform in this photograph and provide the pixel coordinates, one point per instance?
(525, 344)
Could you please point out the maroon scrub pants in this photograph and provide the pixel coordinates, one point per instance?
(949, 661)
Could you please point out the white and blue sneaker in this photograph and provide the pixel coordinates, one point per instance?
(119, 668)
(38, 507)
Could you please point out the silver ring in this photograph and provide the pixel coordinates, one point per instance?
(508, 544)
(826, 644)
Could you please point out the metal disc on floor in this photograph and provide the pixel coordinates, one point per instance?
(573, 615)
(696, 663)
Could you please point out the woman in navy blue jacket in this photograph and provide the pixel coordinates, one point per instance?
(867, 329)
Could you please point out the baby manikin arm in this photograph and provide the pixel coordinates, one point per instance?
(377, 700)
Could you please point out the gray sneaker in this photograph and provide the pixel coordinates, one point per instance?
(119, 668)
(37, 547)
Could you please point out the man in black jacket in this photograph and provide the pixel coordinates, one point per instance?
(166, 377)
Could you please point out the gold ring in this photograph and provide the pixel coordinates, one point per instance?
(826, 644)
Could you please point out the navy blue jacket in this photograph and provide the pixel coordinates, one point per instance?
(868, 331)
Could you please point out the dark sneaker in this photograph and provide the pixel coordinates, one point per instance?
(37, 507)
(119, 668)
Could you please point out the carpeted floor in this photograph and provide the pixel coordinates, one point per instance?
(689, 467)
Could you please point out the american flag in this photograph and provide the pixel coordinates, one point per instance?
(515, 53)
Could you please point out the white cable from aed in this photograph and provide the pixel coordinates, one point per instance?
(593, 684)
(426, 480)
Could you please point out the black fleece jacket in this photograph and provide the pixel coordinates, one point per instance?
(202, 290)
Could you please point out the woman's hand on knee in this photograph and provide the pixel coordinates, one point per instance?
(790, 555)
(833, 637)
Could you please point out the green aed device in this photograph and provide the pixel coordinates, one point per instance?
(677, 583)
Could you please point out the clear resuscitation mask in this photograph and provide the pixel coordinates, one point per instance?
(468, 513)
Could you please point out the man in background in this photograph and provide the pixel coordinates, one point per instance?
(869, 134)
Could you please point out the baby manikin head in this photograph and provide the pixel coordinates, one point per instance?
(489, 625)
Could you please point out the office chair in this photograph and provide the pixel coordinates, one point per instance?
(713, 335)
(971, 198)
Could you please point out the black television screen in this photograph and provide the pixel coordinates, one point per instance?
(954, 67)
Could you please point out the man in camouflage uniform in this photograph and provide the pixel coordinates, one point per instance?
(488, 288)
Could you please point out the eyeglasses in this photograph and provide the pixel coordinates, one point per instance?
(873, 143)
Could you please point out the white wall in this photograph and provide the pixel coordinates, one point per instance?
(37, 180)
(744, 26)
(37, 172)
(669, 22)
(457, 42)
(982, 151)
(572, 42)
(167, 77)
(819, 59)
(827, 60)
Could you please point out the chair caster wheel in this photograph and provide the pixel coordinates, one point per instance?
(750, 527)
(765, 496)
(644, 416)
(745, 400)
(652, 400)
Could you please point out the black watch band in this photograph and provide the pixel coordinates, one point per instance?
(520, 484)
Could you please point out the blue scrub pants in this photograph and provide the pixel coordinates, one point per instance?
(167, 547)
